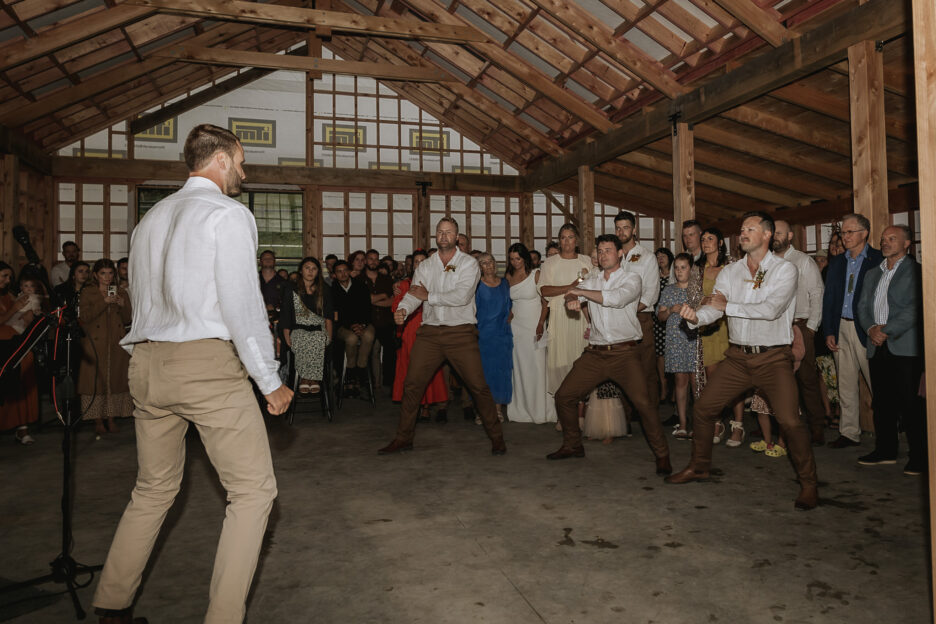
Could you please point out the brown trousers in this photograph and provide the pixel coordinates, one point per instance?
(807, 378)
(772, 373)
(201, 382)
(459, 345)
(622, 366)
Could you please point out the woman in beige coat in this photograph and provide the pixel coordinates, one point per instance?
(104, 313)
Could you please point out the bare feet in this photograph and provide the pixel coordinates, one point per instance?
(607, 440)
(99, 427)
(112, 426)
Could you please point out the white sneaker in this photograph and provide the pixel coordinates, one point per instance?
(25, 438)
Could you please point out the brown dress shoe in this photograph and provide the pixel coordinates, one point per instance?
(808, 498)
(119, 616)
(498, 447)
(396, 447)
(687, 476)
(842, 442)
(565, 453)
(663, 466)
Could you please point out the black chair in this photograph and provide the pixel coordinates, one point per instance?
(326, 394)
(343, 379)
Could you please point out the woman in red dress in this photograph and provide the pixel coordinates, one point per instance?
(436, 392)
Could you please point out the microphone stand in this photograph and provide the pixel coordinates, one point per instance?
(64, 568)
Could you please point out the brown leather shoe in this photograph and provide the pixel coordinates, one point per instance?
(118, 616)
(663, 466)
(687, 476)
(498, 447)
(808, 498)
(842, 442)
(396, 447)
(566, 453)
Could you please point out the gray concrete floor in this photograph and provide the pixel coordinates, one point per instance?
(450, 534)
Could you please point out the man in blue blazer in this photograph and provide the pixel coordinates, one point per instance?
(845, 338)
(889, 310)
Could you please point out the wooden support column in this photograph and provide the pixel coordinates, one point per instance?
(868, 135)
(311, 220)
(924, 56)
(526, 219)
(585, 208)
(423, 226)
(9, 203)
(658, 225)
(683, 179)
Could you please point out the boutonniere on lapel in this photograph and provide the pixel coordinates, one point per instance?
(635, 258)
(759, 279)
(450, 268)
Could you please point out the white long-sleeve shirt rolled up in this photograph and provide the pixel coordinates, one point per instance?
(642, 261)
(760, 307)
(615, 319)
(451, 290)
(809, 288)
(193, 275)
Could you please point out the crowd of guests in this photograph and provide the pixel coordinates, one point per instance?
(857, 314)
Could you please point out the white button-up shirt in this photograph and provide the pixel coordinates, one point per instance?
(193, 275)
(759, 314)
(451, 290)
(643, 262)
(809, 289)
(881, 309)
(614, 320)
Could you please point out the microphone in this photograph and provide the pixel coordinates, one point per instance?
(22, 237)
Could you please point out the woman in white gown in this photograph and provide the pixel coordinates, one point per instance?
(529, 402)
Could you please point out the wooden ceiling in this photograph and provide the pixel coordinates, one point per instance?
(544, 84)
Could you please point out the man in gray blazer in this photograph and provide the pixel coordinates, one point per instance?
(889, 310)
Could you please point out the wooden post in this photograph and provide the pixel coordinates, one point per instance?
(657, 233)
(313, 49)
(9, 200)
(924, 56)
(423, 227)
(526, 219)
(868, 135)
(585, 208)
(683, 179)
(311, 220)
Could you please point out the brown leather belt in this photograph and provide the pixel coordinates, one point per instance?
(751, 349)
(613, 346)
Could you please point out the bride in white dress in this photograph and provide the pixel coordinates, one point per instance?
(529, 402)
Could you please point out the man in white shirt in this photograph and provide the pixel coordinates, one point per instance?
(758, 295)
(642, 261)
(444, 284)
(807, 316)
(59, 273)
(193, 335)
(613, 352)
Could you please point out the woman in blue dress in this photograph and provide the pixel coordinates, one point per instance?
(495, 339)
(681, 345)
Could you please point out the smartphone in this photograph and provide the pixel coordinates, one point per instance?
(112, 290)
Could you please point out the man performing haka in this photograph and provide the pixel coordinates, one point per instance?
(758, 295)
(444, 284)
(193, 335)
(613, 352)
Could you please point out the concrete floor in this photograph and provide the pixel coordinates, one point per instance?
(450, 534)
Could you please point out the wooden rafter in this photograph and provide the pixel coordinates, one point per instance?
(338, 22)
(826, 44)
(759, 20)
(243, 58)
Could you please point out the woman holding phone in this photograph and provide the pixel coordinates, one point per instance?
(102, 376)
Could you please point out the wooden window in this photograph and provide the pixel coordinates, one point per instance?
(97, 217)
(381, 220)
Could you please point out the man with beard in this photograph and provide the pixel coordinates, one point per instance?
(807, 316)
(757, 294)
(196, 335)
(642, 261)
(613, 352)
(444, 284)
(59, 273)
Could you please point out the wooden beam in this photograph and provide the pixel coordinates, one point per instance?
(423, 224)
(924, 56)
(9, 202)
(311, 221)
(683, 175)
(25, 150)
(338, 22)
(868, 138)
(585, 208)
(526, 220)
(244, 58)
(562, 208)
(758, 20)
(82, 28)
(601, 35)
(77, 168)
(826, 44)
